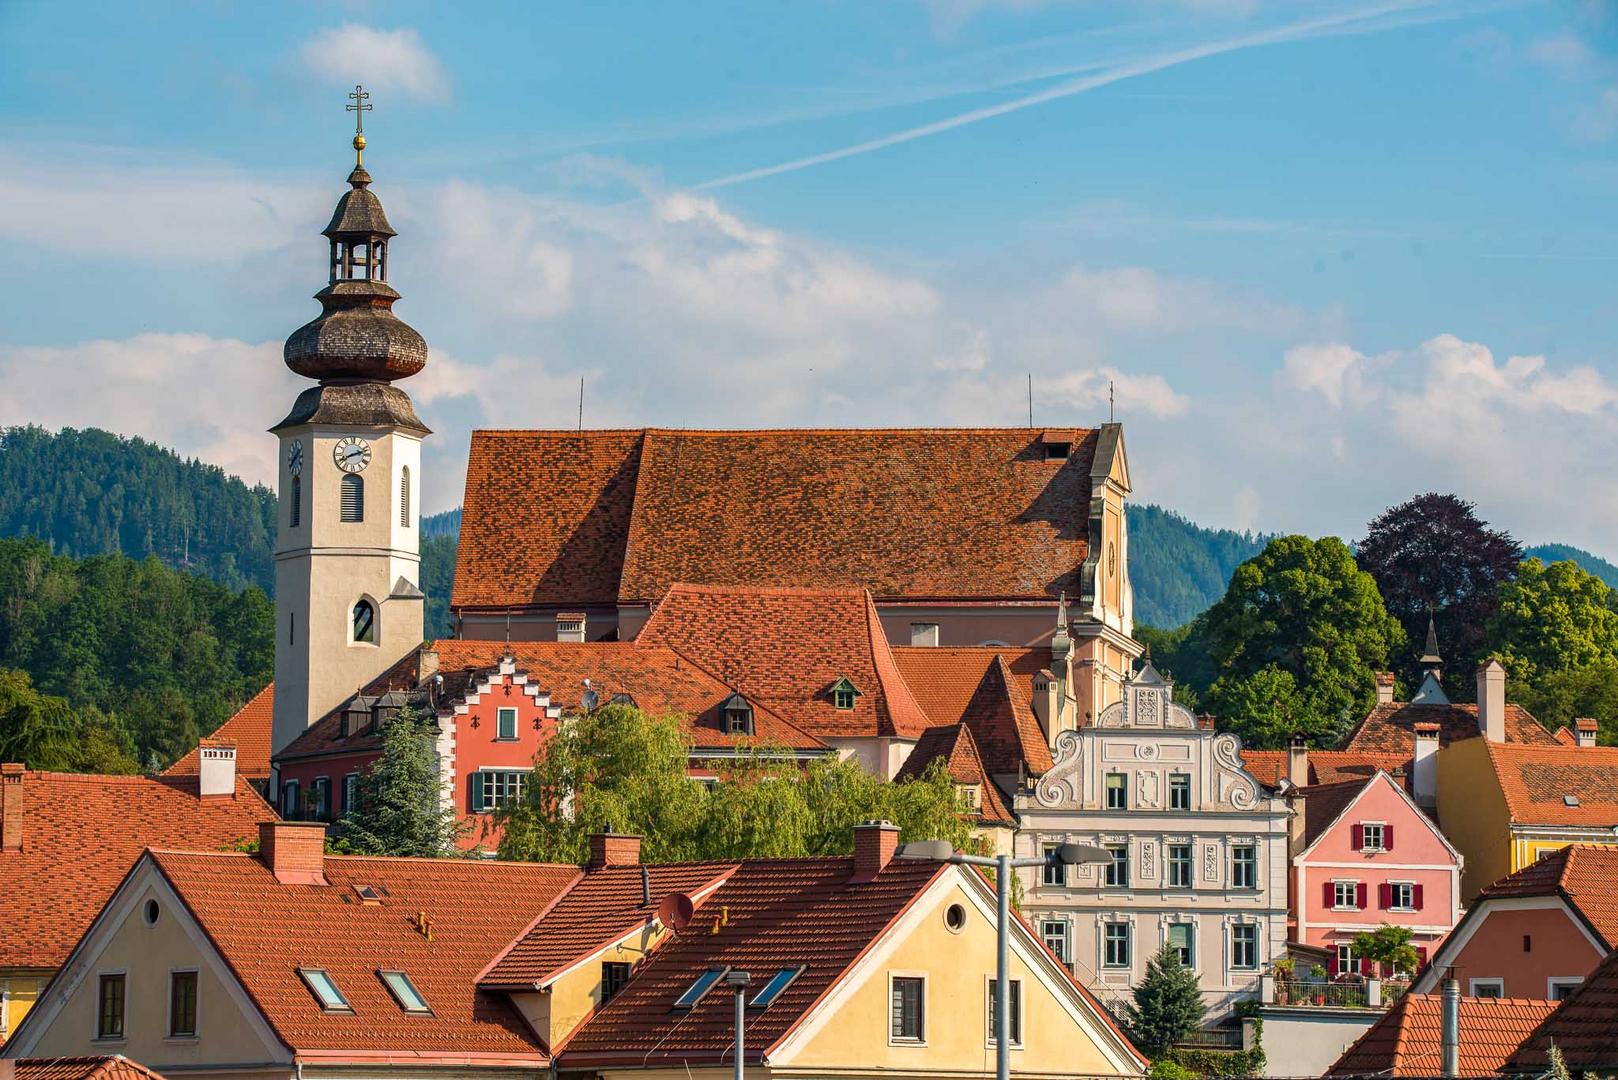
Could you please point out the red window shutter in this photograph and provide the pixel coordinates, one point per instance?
(1387, 838)
(1416, 897)
(1331, 964)
(1359, 895)
(1358, 837)
(1384, 896)
(1331, 894)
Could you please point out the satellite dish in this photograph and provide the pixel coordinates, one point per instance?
(675, 911)
(589, 700)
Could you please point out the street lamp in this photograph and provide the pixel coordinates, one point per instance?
(738, 982)
(942, 851)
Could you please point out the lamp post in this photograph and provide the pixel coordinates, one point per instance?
(738, 982)
(941, 851)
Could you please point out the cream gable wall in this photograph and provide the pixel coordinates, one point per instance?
(230, 1031)
(848, 1031)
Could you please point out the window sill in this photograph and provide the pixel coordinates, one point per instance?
(501, 738)
(110, 1040)
(181, 1040)
(906, 1042)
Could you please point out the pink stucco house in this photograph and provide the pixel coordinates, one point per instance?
(1364, 854)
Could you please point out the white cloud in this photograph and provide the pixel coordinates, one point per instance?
(386, 61)
(1337, 372)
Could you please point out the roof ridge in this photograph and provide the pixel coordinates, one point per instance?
(573, 433)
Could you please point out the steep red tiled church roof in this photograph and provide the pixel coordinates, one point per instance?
(1581, 1027)
(1405, 1040)
(954, 744)
(79, 836)
(249, 729)
(602, 517)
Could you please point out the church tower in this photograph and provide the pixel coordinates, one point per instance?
(347, 555)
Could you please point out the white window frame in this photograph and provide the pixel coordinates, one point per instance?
(514, 783)
(293, 812)
(1186, 787)
(500, 716)
(924, 635)
(1381, 844)
(1016, 1013)
(1106, 870)
(351, 791)
(1189, 864)
(899, 1040)
(1337, 886)
(1190, 940)
(1258, 961)
(1063, 937)
(1561, 982)
(1107, 789)
(1394, 888)
(1498, 985)
(1347, 962)
(1053, 875)
(1252, 848)
(1128, 942)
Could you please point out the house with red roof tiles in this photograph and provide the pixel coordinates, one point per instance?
(1364, 855)
(1198, 850)
(1535, 933)
(290, 962)
(108, 1067)
(67, 839)
(1581, 1028)
(962, 536)
(1407, 1040)
(249, 729)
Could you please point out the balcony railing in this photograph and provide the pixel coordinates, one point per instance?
(1354, 994)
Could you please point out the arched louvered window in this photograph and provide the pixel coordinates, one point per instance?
(364, 622)
(353, 498)
(404, 498)
(297, 501)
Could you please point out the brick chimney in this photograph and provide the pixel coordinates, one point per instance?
(1492, 701)
(1584, 731)
(295, 851)
(1384, 688)
(11, 774)
(1424, 771)
(216, 769)
(614, 849)
(1298, 761)
(874, 845)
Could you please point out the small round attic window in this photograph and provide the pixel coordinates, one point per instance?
(151, 911)
(955, 918)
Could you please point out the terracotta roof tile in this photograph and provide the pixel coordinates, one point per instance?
(600, 908)
(955, 745)
(1538, 781)
(1585, 875)
(82, 833)
(1269, 767)
(1387, 729)
(249, 728)
(266, 931)
(786, 647)
(956, 684)
(111, 1067)
(1581, 1027)
(1324, 803)
(594, 518)
(1406, 1040)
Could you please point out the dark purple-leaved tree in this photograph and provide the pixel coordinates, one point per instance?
(1434, 556)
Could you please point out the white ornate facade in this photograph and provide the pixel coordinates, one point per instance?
(1199, 850)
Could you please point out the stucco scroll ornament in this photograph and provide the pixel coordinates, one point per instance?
(1113, 716)
(1239, 787)
(1062, 785)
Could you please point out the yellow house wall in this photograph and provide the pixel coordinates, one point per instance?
(146, 955)
(577, 994)
(18, 989)
(1528, 850)
(1472, 812)
(957, 967)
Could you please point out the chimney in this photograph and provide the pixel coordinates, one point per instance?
(1298, 761)
(426, 664)
(1061, 672)
(8, 1069)
(1450, 1027)
(1492, 701)
(1384, 688)
(1584, 731)
(216, 769)
(613, 849)
(874, 845)
(1424, 771)
(11, 774)
(295, 851)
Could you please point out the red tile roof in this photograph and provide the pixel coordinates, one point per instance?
(1323, 804)
(1269, 767)
(249, 729)
(1581, 1027)
(82, 833)
(111, 1067)
(1387, 729)
(991, 690)
(787, 647)
(1406, 1040)
(603, 906)
(954, 744)
(1537, 782)
(266, 931)
(1585, 875)
(595, 518)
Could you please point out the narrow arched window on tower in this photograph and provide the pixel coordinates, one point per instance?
(365, 622)
(404, 498)
(297, 501)
(353, 499)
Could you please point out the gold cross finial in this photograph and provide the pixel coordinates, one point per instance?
(359, 107)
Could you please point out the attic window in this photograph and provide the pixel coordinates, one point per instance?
(325, 990)
(1057, 451)
(404, 992)
(1570, 800)
(368, 893)
(843, 694)
(698, 989)
(736, 715)
(570, 626)
(775, 987)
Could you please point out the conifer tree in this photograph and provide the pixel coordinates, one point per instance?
(1167, 1006)
(399, 810)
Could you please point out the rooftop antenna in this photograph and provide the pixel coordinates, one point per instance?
(1030, 399)
(1110, 401)
(581, 404)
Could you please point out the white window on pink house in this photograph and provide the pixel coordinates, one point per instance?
(1347, 962)
(1401, 896)
(1345, 895)
(1372, 836)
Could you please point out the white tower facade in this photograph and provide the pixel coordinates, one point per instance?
(347, 554)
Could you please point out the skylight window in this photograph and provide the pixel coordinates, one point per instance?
(774, 988)
(404, 991)
(704, 983)
(325, 990)
(1570, 800)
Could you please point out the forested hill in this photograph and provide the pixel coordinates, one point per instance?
(1179, 569)
(1594, 564)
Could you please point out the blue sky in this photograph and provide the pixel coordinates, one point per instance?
(1328, 255)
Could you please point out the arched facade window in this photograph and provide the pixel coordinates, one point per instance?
(364, 622)
(353, 499)
(404, 498)
(297, 501)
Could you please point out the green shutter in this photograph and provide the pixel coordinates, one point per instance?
(476, 782)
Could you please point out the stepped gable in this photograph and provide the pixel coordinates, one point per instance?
(955, 745)
(606, 517)
(80, 834)
(787, 648)
(249, 728)
(1406, 1040)
(604, 906)
(266, 931)
(1538, 782)
(1584, 875)
(1581, 1027)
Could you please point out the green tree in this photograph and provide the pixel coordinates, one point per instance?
(620, 769)
(1558, 698)
(1301, 608)
(400, 810)
(1388, 945)
(1167, 1005)
(1553, 618)
(35, 729)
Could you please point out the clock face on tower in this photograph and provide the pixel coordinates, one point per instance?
(295, 457)
(351, 454)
